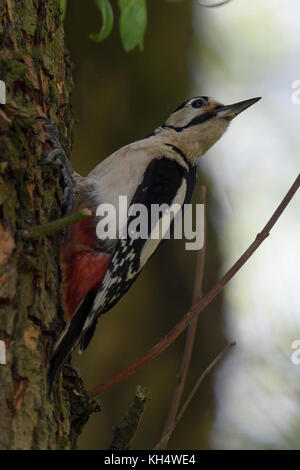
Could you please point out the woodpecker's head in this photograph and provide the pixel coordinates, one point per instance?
(199, 122)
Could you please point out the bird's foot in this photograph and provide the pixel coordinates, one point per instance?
(57, 156)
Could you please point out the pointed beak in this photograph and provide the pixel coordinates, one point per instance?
(232, 110)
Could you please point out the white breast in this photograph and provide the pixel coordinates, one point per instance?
(122, 172)
(118, 175)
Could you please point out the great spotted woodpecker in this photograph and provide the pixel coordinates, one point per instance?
(160, 169)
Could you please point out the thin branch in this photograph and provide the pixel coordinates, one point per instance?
(204, 374)
(214, 5)
(55, 225)
(202, 303)
(190, 339)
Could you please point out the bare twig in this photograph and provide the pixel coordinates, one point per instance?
(204, 374)
(190, 339)
(55, 225)
(202, 303)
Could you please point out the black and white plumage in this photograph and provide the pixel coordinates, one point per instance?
(165, 181)
(160, 169)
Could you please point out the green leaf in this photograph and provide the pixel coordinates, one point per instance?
(107, 20)
(174, 1)
(63, 6)
(133, 22)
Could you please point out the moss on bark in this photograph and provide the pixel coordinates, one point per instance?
(37, 72)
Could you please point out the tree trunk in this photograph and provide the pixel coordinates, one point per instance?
(37, 74)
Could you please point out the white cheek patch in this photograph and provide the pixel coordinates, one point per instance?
(163, 225)
(182, 117)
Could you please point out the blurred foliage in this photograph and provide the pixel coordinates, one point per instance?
(120, 98)
(107, 20)
(63, 6)
(133, 20)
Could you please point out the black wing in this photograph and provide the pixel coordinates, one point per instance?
(163, 181)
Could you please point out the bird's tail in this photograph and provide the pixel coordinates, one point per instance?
(86, 338)
(68, 339)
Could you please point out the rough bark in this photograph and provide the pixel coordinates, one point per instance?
(37, 73)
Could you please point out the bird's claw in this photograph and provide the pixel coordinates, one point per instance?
(58, 157)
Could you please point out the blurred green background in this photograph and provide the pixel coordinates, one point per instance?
(238, 51)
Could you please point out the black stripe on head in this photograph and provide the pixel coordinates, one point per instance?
(196, 120)
(201, 118)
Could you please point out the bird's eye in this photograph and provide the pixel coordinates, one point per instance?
(198, 103)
